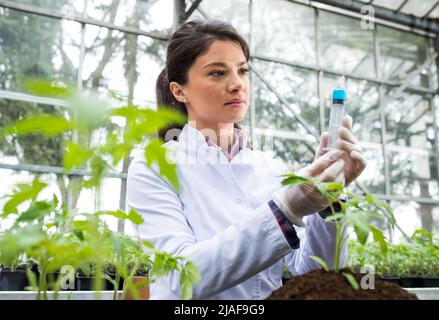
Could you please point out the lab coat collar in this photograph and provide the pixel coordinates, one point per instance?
(193, 139)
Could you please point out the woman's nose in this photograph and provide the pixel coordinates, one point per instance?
(236, 83)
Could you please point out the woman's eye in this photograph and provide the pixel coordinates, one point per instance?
(217, 73)
(245, 70)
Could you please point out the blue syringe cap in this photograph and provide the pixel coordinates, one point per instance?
(339, 94)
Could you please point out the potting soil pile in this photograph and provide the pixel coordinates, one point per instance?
(323, 285)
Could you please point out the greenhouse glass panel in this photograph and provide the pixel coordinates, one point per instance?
(295, 153)
(418, 8)
(37, 47)
(410, 216)
(372, 178)
(389, 4)
(151, 16)
(67, 7)
(297, 87)
(409, 120)
(413, 172)
(233, 11)
(284, 30)
(345, 46)
(401, 53)
(150, 60)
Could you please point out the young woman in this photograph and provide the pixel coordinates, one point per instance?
(231, 216)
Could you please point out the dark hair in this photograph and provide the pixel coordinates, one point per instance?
(189, 41)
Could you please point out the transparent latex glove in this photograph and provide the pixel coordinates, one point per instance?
(355, 162)
(304, 199)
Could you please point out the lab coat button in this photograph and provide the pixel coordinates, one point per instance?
(239, 200)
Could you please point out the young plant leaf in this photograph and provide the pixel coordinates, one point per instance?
(378, 236)
(49, 125)
(351, 280)
(156, 153)
(135, 217)
(320, 261)
(25, 192)
(75, 155)
(292, 180)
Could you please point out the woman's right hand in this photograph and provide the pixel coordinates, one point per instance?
(305, 199)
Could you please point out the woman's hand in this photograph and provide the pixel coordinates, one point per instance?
(355, 162)
(304, 199)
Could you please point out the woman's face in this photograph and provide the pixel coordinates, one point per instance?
(217, 92)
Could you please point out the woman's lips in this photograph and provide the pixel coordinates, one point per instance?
(235, 104)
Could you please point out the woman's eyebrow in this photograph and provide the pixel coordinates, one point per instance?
(222, 64)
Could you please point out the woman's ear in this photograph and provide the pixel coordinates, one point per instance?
(177, 91)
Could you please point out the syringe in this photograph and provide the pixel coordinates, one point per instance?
(336, 115)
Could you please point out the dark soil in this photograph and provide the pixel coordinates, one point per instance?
(322, 285)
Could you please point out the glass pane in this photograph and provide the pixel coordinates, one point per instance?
(401, 53)
(390, 4)
(29, 149)
(297, 87)
(67, 7)
(295, 153)
(434, 14)
(418, 8)
(409, 120)
(151, 55)
(284, 30)
(232, 11)
(125, 63)
(408, 219)
(413, 172)
(36, 46)
(372, 178)
(345, 46)
(361, 105)
(109, 200)
(151, 16)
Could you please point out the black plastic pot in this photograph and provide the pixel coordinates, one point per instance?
(391, 279)
(430, 282)
(409, 282)
(85, 283)
(13, 281)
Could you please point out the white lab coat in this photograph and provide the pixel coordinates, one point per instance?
(220, 220)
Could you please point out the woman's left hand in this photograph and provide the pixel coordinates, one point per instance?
(355, 162)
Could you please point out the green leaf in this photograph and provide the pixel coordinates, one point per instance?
(25, 192)
(189, 275)
(335, 186)
(156, 153)
(135, 217)
(148, 244)
(75, 155)
(32, 280)
(360, 222)
(351, 280)
(378, 236)
(47, 88)
(49, 125)
(333, 217)
(37, 211)
(117, 214)
(370, 199)
(320, 261)
(293, 179)
(362, 234)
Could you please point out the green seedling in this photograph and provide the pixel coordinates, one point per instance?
(357, 212)
(53, 235)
